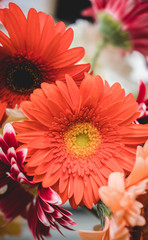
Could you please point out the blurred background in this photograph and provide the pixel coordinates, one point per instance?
(70, 12)
(61, 9)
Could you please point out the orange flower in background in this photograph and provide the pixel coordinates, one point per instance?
(3, 106)
(77, 136)
(35, 51)
(3, 115)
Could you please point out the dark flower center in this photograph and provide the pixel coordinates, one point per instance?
(22, 75)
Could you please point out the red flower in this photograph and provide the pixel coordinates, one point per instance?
(143, 103)
(77, 136)
(35, 51)
(18, 189)
(123, 23)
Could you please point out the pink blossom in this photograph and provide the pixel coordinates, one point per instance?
(40, 206)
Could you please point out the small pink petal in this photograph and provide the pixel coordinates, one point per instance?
(142, 92)
(11, 153)
(3, 157)
(47, 207)
(49, 195)
(41, 215)
(3, 144)
(21, 156)
(9, 136)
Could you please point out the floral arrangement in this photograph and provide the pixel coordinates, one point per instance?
(68, 135)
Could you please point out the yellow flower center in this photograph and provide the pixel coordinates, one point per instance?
(82, 139)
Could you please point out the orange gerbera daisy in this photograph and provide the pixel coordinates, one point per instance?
(36, 51)
(77, 136)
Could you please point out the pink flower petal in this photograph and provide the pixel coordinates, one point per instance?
(49, 195)
(142, 92)
(41, 215)
(9, 136)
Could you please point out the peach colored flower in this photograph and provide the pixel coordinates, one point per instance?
(96, 235)
(113, 230)
(140, 169)
(120, 196)
(118, 230)
(122, 201)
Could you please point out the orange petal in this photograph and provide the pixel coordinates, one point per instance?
(94, 235)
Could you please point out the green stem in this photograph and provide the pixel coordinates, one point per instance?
(101, 44)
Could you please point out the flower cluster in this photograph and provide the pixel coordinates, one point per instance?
(39, 205)
(79, 135)
(122, 24)
(121, 197)
(75, 132)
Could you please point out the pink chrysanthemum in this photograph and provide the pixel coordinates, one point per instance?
(122, 23)
(77, 136)
(39, 205)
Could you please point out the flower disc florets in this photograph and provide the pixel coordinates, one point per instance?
(82, 139)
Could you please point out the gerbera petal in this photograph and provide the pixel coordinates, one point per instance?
(78, 189)
(71, 56)
(13, 29)
(66, 40)
(73, 91)
(33, 30)
(5, 41)
(47, 32)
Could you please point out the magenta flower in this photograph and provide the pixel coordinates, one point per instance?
(122, 22)
(40, 206)
(44, 213)
(143, 103)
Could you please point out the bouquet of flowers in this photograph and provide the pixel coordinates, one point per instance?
(66, 133)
